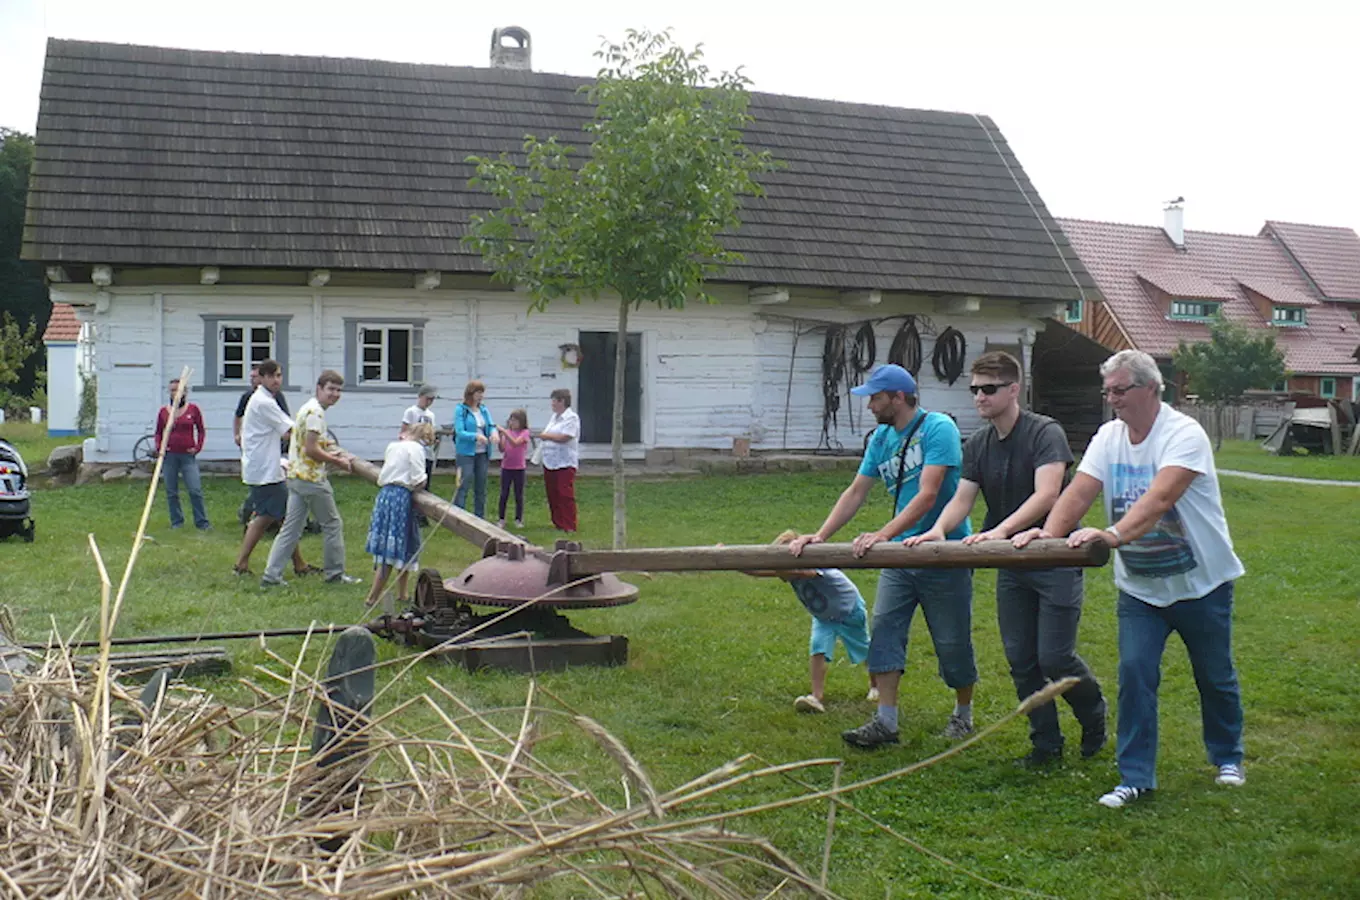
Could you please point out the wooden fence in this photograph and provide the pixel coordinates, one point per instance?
(1248, 422)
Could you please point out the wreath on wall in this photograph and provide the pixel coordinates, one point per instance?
(571, 355)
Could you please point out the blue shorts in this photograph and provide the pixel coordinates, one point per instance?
(269, 500)
(946, 598)
(853, 632)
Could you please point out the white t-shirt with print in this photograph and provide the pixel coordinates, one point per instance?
(1188, 552)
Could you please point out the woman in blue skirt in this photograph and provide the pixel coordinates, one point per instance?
(393, 537)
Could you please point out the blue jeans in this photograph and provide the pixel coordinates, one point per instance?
(473, 469)
(946, 599)
(175, 466)
(1038, 612)
(1205, 626)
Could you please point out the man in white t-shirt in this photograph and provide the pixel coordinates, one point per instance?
(1174, 568)
(415, 415)
(263, 422)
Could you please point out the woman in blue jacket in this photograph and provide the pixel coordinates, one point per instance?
(474, 436)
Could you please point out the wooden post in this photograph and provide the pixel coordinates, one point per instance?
(1044, 554)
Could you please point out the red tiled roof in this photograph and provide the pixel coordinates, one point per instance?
(1330, 256)
(1279, 294)
(1125, 260)
(62, 326)
(1185, 284)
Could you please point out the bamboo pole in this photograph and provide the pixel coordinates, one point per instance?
(1041, 554)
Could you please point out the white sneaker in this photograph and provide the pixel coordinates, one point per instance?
(1121, 796)
(1231, 775)
(872, 696)
(808, 704)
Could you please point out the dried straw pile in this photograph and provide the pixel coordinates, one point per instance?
(193, 798)
(176, 794)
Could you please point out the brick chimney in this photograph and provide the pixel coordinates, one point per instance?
(510, 49)
(1173, 222)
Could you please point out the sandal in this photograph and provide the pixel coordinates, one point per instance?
(309, 570)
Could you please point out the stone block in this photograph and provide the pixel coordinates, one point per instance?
(66, 460)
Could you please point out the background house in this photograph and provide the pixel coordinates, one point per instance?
(70, 359)
(209, 209)
(1160, 286)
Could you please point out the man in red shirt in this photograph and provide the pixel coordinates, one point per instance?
(180, 453)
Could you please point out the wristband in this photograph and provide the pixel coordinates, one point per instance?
(1119, 538)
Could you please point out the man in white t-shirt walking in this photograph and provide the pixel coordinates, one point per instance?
(1174, 567)
(263, 423)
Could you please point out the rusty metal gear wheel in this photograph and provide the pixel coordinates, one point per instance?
(430, 596)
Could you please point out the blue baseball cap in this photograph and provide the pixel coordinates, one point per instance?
(887, 378)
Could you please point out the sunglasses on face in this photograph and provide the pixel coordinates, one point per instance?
(988, 389)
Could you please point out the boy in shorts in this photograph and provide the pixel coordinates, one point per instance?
(838, 612)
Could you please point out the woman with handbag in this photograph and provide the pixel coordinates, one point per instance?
(561, 456)
(474, 435)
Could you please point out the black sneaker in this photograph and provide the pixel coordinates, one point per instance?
(1037, 759)
(870, 735)
(1092, 741)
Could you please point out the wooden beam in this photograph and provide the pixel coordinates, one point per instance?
(1045, 554)
(862, 298)
(767, 295)
(1053, 310)
(959, 305)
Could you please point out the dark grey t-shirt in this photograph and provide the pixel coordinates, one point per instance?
(1004, 469)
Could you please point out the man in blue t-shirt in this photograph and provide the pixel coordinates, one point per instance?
(917, 456)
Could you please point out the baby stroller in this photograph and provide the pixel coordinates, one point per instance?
(14, 505)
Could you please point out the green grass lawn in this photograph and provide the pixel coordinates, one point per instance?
(1247, 456)
(716, 660)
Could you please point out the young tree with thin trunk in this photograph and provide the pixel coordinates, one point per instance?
(1222, 369)
(640, 217)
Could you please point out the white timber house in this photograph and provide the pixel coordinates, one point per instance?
(206, 210)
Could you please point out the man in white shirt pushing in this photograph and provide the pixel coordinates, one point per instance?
(1174, 567)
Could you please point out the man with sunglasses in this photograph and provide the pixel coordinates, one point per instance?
(1174, 568)
(1018, 460)
(916, 455)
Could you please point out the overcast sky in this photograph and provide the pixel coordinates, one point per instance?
(1248, 111)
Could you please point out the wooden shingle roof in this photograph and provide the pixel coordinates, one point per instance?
(151, 156)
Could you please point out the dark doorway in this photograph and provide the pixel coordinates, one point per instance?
(595, 387)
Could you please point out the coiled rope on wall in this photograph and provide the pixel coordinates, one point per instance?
(950, 349)
(905, 350)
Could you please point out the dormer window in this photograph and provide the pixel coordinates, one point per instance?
(1195, 310)
(1288, 315)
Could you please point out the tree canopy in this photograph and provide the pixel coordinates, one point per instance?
(23, 292)
(641, 215)
(1234, 360)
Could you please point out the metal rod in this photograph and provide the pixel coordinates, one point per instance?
(470, 528)
(191, 638)
(1044, 554)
